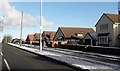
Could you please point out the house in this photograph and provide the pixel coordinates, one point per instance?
(108, 30)
(30, 39)
(16, 41)
(36, 39)
(70, 34)
(90, 38)
(48, 38)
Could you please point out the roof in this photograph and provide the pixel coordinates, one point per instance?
(49, 34)
(37, 36)
(16, 40)
(73, 31)
(30, 37)
(115, 18)
(92, 34)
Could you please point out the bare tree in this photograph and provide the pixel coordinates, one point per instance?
(7, 39)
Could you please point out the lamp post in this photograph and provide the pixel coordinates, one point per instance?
(1, 23)
(40, 26)
(1, 27)
(21, 29)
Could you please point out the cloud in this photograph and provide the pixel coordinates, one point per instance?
(13, 17)
(45, 23)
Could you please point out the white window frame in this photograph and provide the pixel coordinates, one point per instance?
(104, 27)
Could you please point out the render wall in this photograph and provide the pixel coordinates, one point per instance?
(105, 20)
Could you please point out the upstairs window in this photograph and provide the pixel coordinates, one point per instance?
(103, 27)
(80, 35)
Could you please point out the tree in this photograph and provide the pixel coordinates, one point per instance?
(7, 39)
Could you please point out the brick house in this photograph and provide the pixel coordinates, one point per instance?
(48, 38)
(71, 34)
(36, 38)
(30, 39)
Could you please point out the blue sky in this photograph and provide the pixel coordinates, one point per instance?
(83, 14)
(63, 14)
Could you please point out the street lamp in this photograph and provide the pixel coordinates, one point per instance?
(1, 23)
(21, 29)
(40, 26)
(1, 27)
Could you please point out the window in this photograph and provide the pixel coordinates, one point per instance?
(98, 40)
(103, 27)
(80, 35)
(103, 40)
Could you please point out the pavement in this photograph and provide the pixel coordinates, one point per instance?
(16, 59)
(0, 57)
(77, 62)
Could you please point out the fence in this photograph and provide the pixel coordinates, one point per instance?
(94, 49)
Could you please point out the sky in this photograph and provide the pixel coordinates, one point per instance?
(64, 0)
(54, 15)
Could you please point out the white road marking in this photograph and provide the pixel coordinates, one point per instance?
(1, 53)
(8, 67)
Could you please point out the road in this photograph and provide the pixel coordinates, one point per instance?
(14, 58)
